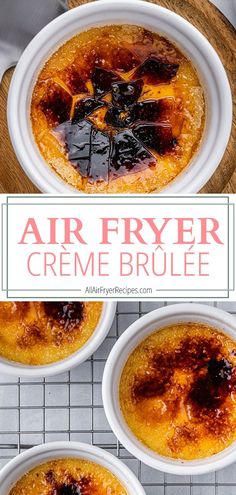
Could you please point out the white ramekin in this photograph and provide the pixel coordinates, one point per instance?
(153, 17)
(100, 333)
(23, 463)
(136, 333)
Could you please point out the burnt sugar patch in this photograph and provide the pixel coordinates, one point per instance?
(67, 315)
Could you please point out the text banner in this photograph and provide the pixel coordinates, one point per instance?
(141, 247)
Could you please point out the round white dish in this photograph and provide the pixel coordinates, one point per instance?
(156, 18)
(17, 369)
(41, 454)
(129, 340)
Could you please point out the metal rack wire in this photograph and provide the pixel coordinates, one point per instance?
(69, 407)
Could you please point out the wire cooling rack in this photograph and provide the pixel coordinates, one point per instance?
(69, 407)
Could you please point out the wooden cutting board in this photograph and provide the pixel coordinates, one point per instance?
(209, 20)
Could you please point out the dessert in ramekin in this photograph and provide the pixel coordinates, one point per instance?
(169, 389)
(118, 109)
(69, 468)
(158, 59)
(42, 338)
(178, 391)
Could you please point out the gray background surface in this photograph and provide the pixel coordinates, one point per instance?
(228, 7)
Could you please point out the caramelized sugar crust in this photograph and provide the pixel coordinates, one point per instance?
(178, 391)
(118, 109)
(69, 477)
(37, 333)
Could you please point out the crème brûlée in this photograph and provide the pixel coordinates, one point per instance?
(39, 333)
(178, 391)
(118, 109)
(69, 477)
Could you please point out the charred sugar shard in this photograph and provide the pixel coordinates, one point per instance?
(85, 107)
(124, 59)
(88, 148)
(125, 94)
(149, 110)
(116, 118)
(74, 81)
(102, 80)
(128, 155)
(56, 106)
(158, 137)
(108, 55)
(156, 71)
(77, 141)
(100, 155)
(61, 132)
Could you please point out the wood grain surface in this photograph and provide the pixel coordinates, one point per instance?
(209, 20)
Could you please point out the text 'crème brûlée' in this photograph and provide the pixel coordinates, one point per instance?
(118, 109)
(178, 391)
(69, 477)
(38, 333)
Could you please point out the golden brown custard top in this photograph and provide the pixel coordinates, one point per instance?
(44, 332)
(69, 477)
(116, 99)
(185, 390)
